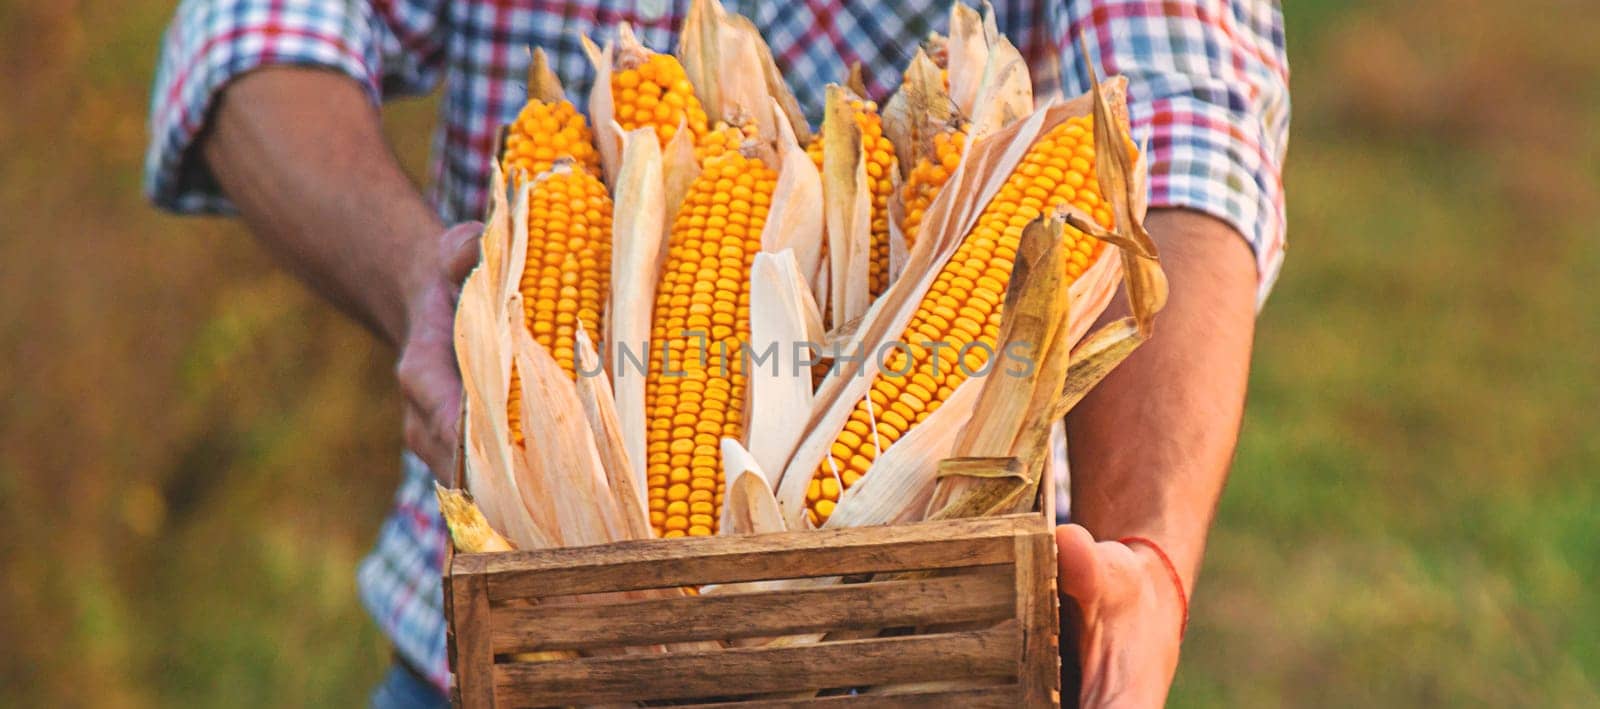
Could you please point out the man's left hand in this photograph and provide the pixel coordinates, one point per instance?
(1128, 618)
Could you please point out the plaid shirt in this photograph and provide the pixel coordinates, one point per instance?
(1208, 89)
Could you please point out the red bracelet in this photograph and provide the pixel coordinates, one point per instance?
(1172, 572)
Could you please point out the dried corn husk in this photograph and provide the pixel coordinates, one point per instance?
(718, 49)
(847, 209)
(748, 506)
(795, 220)
(637, 242)
(625, 481)
(602, 109)
(782, 316)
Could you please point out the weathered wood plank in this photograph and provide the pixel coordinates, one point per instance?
(901, 660)
(1036, 610)
(660, 563)
(979, 594)
(999, 697)
(472, 656)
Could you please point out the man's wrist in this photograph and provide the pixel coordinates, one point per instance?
(1168, 582)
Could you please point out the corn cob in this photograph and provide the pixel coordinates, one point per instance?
(927, 177)
(547, 131)
(568, 268)
(962, 307)
(881, 164)
(653, 91)
(701, 321)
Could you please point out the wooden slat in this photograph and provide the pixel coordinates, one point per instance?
(1001, 697)
(472, 657)
(920, 658)
(660, 563)
(982, 594)
(1036, 610)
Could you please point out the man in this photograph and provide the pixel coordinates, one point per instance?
(273, 104)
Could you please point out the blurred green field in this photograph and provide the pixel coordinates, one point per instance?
(194, 452)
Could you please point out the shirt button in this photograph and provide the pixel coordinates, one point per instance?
(651, 10)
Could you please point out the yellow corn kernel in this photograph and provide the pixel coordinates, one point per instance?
(656, 92)
(723, 138)
(697, 394)
(545, 132)
(568, 269)
(968, 312)
(927, 177)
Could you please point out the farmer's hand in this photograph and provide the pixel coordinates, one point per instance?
(1128, 619)
(427, 371)
(301, 153)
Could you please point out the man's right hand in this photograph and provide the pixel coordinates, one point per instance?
(427, 370)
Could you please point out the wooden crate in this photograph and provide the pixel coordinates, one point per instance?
(985, 609)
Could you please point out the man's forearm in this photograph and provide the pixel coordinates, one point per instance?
(301, 153)
(1151, 446)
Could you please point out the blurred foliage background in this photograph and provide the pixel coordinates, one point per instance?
(194, 451)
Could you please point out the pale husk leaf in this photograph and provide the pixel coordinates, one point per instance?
(848, 209)
(967, 54)
(795, 219)
(699, 51)
(1005, 93)
(744, 92)
(483, 347)
(919, 110)
(561, 452)
(781, 316)
(637, 236)
(625, 478)
(1094, 358)
(1117, 172)
(603, 109)
(1035, 307)
(980, 487)
(779, 90)
(748, 506)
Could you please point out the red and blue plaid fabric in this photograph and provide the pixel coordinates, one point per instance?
(1208, 89)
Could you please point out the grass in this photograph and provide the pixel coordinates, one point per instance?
(194, 452)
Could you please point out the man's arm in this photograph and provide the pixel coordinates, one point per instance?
(1151, 447)
(301, 153)
(1208, 88)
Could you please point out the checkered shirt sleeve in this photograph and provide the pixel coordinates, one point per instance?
(1209, 90)
(388, 51)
